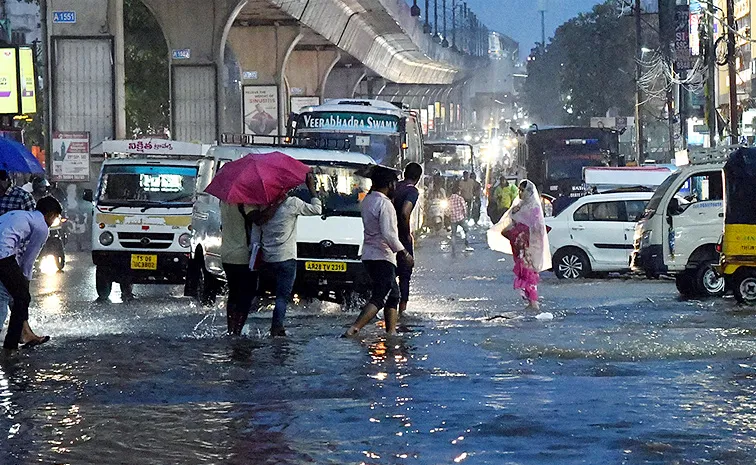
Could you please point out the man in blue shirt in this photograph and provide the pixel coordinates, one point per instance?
(405, 199)
(19, 229)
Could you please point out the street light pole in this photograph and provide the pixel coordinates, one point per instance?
(639, 142)
(731, 71)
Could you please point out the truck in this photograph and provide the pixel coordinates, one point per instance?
(681, 227)
(329, 246)
(141, 227)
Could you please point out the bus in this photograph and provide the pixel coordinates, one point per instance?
(555, 157)
(388, 133)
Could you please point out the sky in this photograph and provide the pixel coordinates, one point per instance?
(520, 19)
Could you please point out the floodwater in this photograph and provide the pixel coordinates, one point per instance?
(625, 373)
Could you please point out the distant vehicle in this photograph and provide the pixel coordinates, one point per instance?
(329, 246)
(738, 250)
(681, 227)
(448, 157)
(595, 234)
(554, 157)
(142, 211)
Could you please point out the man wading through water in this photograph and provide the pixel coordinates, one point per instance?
(405, 199)
(380, 248)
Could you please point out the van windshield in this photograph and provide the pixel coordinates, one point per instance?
(656, 199)
(137, 185)
(339, 187)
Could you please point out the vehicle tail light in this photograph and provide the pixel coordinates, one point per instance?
(548, 229)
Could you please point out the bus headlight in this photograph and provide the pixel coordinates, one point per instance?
(106, 238)
(184, 240)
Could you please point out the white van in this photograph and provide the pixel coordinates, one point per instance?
(329, 246)
(682, 224)
(142, 212)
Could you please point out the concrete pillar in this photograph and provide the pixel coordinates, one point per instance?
(87, 69)
(343, 82)
(307, 71)
(195, 33)
(262, 52)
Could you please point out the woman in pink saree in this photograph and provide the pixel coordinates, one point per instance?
(522, 233)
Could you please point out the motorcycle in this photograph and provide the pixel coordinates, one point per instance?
(437, 213)
(56, 243)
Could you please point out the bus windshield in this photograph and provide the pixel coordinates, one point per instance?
(375, 135)
(569, 167)
(135, 185)
(339, 187)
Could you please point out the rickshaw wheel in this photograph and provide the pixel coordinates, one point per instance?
(708, 282)
(745, 287)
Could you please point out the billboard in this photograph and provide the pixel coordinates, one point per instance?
(261, 110)
(297, 103)
(27, 80)
(70, 156)
(9, 93)
(17, 81)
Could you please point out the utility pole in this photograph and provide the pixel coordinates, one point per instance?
(711, 67)
(542, 10)
(731, 71)
(639, 142)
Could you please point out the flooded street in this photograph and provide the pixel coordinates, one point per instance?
(624, 373)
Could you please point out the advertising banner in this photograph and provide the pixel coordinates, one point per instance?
(28, 81)
(683, 58)
(70, 156)
(297, 103)
(424, 120)
(261, 110)
(8, 82)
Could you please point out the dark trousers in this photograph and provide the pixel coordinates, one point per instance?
(242, 288)
(385, 289)
(404, 271)
(18, 287)
(286, 274)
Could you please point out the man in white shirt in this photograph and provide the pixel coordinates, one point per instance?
(380, 247)
(278, 237)
(19, 229)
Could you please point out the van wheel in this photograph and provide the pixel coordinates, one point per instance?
(685, 284)
(207, 286)
(709, 283)
(571, 264)
(745, 287)
(192, 278)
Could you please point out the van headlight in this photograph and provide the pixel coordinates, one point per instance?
(645, 239)
(184, 240)
(106, 238)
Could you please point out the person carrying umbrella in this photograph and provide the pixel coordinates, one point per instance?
(256, 211)
(278, 237)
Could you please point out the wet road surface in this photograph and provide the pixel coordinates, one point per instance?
(625, 373)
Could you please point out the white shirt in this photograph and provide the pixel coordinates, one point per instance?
(279, 234)
(16, 227)
(381, 241)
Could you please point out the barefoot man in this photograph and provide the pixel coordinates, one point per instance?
(380, 247)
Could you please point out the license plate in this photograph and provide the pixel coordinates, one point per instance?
(334, 267)
(143, 262)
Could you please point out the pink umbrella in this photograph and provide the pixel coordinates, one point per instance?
(258, 179)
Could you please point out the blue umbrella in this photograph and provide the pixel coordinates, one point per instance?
(16, 158)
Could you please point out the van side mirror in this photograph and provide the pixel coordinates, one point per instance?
(88, 195)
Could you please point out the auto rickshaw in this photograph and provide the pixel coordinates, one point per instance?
(738, 246)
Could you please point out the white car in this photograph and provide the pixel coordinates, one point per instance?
(595, 234)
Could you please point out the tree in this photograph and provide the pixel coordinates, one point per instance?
(146, 56)
(585, 70)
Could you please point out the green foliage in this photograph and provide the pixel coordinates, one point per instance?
(587, 69)
(146, 54)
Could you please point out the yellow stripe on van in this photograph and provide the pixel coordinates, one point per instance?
(152, 220)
